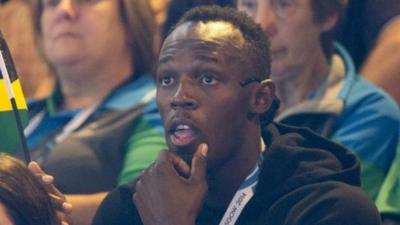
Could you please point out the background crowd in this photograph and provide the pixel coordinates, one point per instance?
(87, 68)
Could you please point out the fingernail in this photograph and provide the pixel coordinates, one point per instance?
(48, 179)
(203, 150)
(33, 165)
(67, 207)
(64, 223)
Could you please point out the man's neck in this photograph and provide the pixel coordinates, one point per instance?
(86, 85)
(299, 86)
(223, 184)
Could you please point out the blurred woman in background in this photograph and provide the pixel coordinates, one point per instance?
(100, 128)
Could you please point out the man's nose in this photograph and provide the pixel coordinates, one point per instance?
(183, 97)
(266, 17)
(69, 8)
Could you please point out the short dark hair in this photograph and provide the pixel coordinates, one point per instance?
(257, 41)
(322, 10)
(177, 8)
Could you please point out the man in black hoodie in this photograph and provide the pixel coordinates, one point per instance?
(212, 88)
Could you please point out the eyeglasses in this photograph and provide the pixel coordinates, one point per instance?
(282, 8)
(54, 3)
(244, 83)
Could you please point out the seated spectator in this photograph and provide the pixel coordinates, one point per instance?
(212, 87)
(23, 198)
(318, 85)
(101, 127)
(374, 43)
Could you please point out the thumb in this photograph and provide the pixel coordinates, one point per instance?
(199, 163)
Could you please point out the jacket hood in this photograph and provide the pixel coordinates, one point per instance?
(296, 157)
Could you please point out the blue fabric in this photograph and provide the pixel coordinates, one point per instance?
(369, 122)
(153, 117)
(50, 124)
(130, 95)
(125, 97)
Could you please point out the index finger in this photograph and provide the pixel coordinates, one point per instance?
(57, 198)
(179, 164)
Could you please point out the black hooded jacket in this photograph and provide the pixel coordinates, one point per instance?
(304, 180)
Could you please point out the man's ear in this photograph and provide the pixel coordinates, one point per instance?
(262, 97)
(329, 23)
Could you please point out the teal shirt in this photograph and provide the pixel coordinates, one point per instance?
(139, 147)
(363, 117)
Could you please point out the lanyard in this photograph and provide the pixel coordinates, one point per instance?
(242, 196)
(77, 120)
(72, 125)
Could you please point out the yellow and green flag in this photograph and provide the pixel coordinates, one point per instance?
(13, 109)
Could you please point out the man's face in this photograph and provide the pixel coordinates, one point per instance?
(199, 93)
(294, 35)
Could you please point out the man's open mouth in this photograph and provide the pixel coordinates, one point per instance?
(182, 134)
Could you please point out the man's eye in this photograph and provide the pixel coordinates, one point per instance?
(166, 81)
(248, 6)
(282, 4)
(208, 79)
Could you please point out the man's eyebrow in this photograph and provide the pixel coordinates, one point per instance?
(165, 59)
(207, 58)
(201, 57)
